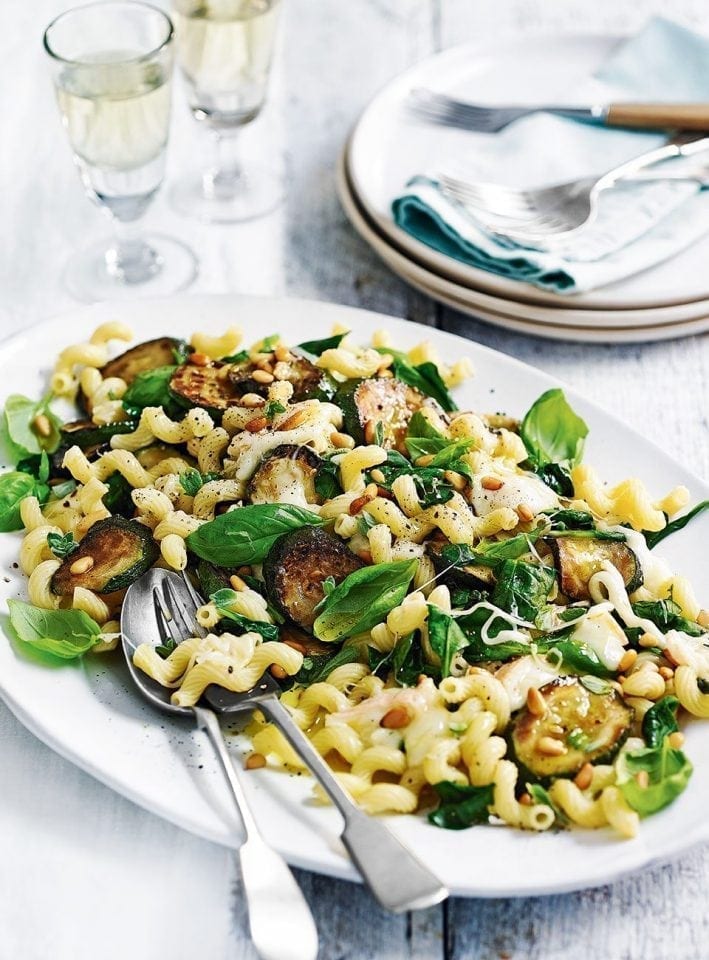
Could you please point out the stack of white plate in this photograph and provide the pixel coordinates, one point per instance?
(388, 146)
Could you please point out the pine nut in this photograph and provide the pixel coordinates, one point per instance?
(524, 513)
(676, 740)
(386, 361)
(258, 423)
(199, 359)
(384, 493)
(584, 777)
(425, 461)
(365, 556)
(491, 483)
(370, 429)
(262, 376)
(244, 571)
(384, 374)
(282, 353)
(378, 476)
(237, 583)
(551, 747)
(456, 480)
(556, 729)
(647, 640)
(295, 420)
(703, 619)
(294, 645)
(252, 400)
(627, 660)
(281, 370)
(666, 673)
(536, 703)
(371, 490)
(642, 778)
(395, 718)
(264, 363)
(526, 800)
(342, 441)
(278, 672)
(82, 565)
(255, 761)
(42, 425)
(358, 503)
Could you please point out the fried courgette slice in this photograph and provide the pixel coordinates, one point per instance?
(381, 401)
(207, 386)
(309, 382)
(591, 728)
(476, 576)
(296, 567)
(93, 439)
(120, 551)
(577, 559)
(286, 475)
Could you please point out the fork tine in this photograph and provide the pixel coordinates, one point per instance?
(178, 610)
(166, 624)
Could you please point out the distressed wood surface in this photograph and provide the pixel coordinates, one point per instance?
(84, 872)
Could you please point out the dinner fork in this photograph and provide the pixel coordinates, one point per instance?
(440, 108)
(398, 880)
(553, 212)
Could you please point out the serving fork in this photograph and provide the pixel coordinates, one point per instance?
(396, 877)
(552, 213)
(440, 108)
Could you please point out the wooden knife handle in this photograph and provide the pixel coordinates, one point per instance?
(678, 116)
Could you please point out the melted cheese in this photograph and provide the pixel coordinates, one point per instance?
(599, 631)
(517, 489)
(520, 676)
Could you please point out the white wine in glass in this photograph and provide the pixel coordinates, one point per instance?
(112, 68)
(225, 50)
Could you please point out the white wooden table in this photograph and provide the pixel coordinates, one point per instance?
(84, 873)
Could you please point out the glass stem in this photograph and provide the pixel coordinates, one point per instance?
(130, 259)
(223, 179)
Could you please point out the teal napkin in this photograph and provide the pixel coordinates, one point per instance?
(638, 225)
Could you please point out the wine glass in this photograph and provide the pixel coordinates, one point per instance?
(112, 65)
(224, 51)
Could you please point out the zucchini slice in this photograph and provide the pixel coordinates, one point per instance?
(162, 352)
(286, 475)
(208, 387)
(296, 566)
(121, 550)
(577, 559)
(473, 575)
(385, 401)
(309, 382)
(594, 726)
(92, 438)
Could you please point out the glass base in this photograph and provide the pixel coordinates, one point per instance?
(224, 199)
(93, 273)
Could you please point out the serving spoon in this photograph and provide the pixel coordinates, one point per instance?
(394, 875)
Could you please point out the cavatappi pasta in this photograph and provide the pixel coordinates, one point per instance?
(462, 623)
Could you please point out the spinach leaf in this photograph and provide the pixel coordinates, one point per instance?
(239, 357)
(654, 537)
(119, 499)
(19, 428)
(327, 480)
(424, 376)
(222, 600)
(570, 519)
(463, 596)
(64, 633)
(552, 432)
(490, 553)
(404, 663)
(558, 477)
(660, 721)
(62, 546)
(317, 347)
(150, 389)
(461, 807)
(477, 649)
(667, 615)
(431, 485)
(522, 588)
(317, 668)
(14, 487)
(192, 481)
(668, 771)
(447, 454)
(421, 427)
(579, 657)
(445, 636)
(363, 599)
(246, 534)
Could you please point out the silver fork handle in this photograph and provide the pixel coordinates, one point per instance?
(278, 912)
(395, 876)
(666, 152)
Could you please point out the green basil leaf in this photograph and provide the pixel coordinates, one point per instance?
(63, 633)
(667, 615)
(668, 771)
(522, 588)
(580, 658)
(570, 520)
(269, 343)
(316, 668)
(150, 389)
(404, 664)
(557, 477)
(552, 432)
(431, 485)
(421, 427)
(660, 721)
(119, 499)
(222, 600)
(477, 649)
(490, 553)
(445, 636)
(424, 376)
(327, 480)
(192, 481)
(272, 409)
(14, 487)
(239, 357)
(62, 545)
(317, 347)
(19, 416)
(246, 534)
(363, 599)
(461, 807)
(652, 538)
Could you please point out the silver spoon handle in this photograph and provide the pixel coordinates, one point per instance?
(278, 912)
(395, 876)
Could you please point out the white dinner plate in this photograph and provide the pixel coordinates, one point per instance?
(552, 323)
(389, 146)
(90, 714)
